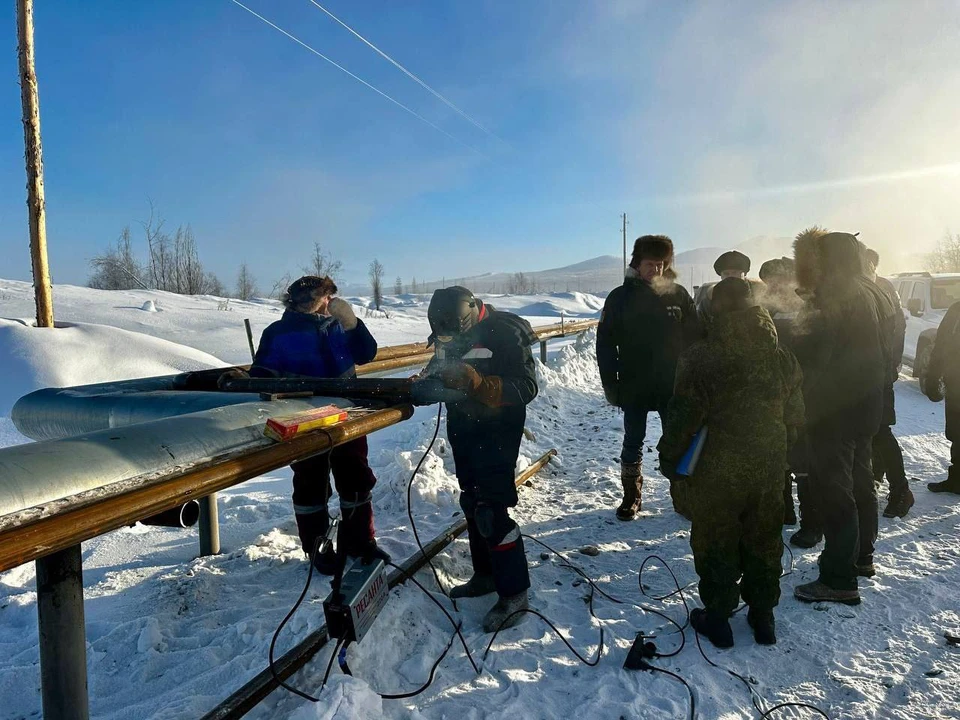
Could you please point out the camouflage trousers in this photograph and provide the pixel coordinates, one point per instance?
(736, 541)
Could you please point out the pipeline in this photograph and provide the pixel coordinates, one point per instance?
(425, 391)
(260, 686)
(184, 516)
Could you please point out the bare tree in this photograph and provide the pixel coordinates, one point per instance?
(376, 282)
(946, 256)
(280, 286)
(246, 284)
(519, 284)
(413, 286)
(398, 286)
(322, 264)
(213, 286)
(117, 268)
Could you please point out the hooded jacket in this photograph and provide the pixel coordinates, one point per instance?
(747, 390)
(844, 337)
(643, 329)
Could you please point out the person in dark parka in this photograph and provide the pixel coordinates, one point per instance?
(646, 323)
(319, 336)
(944, 369)
(887, 454)
(486, 353)
(747, 390)
(843, 334)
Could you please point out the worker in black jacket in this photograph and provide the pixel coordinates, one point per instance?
(844, 332)
(646, 323)
(486, 353)
(887, 454)
(944, 370)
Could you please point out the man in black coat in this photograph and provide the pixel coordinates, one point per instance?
(944, 369)
(844, 336)
(887, 454)
(646, 323)
(486, 353)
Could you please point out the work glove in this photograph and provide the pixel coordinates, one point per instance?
(612, 394)
(342, 311)
(485, 389)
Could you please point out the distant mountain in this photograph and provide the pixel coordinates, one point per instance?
(600, 274)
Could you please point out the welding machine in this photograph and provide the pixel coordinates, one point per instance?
(356, 600)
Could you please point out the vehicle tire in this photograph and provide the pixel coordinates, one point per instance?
(923, 362)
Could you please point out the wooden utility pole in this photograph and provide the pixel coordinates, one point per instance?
(624, 218)
(36, 205)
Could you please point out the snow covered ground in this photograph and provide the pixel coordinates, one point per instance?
(170, 635)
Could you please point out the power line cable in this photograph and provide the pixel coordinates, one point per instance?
(408, 73)
(357, 78)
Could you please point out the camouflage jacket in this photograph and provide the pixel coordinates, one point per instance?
(746, 389)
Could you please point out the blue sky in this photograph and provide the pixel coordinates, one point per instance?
(712, 122)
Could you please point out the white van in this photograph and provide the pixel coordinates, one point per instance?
(924, 298)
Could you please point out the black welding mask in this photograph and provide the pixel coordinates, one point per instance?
(453, 311)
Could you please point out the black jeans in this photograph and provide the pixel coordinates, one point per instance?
(953, 433)
(843, 479)
(888, 460)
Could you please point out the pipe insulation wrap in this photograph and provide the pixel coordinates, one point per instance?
(41, 472)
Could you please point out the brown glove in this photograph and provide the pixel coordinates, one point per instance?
(485, 389)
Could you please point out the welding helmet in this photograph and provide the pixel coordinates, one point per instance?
(453, 311)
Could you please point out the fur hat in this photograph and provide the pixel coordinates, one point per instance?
(733, 260)
(303, 293)
(823, 256)
(731, 295)
(652, 247)
(782, 268)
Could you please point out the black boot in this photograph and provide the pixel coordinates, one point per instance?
(806, 537)
(764, 626)
(713, 627)
(477, 586)
(899, 504)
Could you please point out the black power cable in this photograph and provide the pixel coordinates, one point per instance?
(276, 634)
(755, 697)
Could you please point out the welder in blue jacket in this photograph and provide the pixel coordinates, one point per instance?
(319, 336)
(486, 353)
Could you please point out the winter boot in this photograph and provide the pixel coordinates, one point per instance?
(899, 505)
(713, 627)
(866, 568)
(312, 526)
(806, 537)
(764, 626)
(631, 477)
(497, 618)
(789, 514)
(476, 586)
(370, 551)
(821, 592)
(950, 485)
(325, 562)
